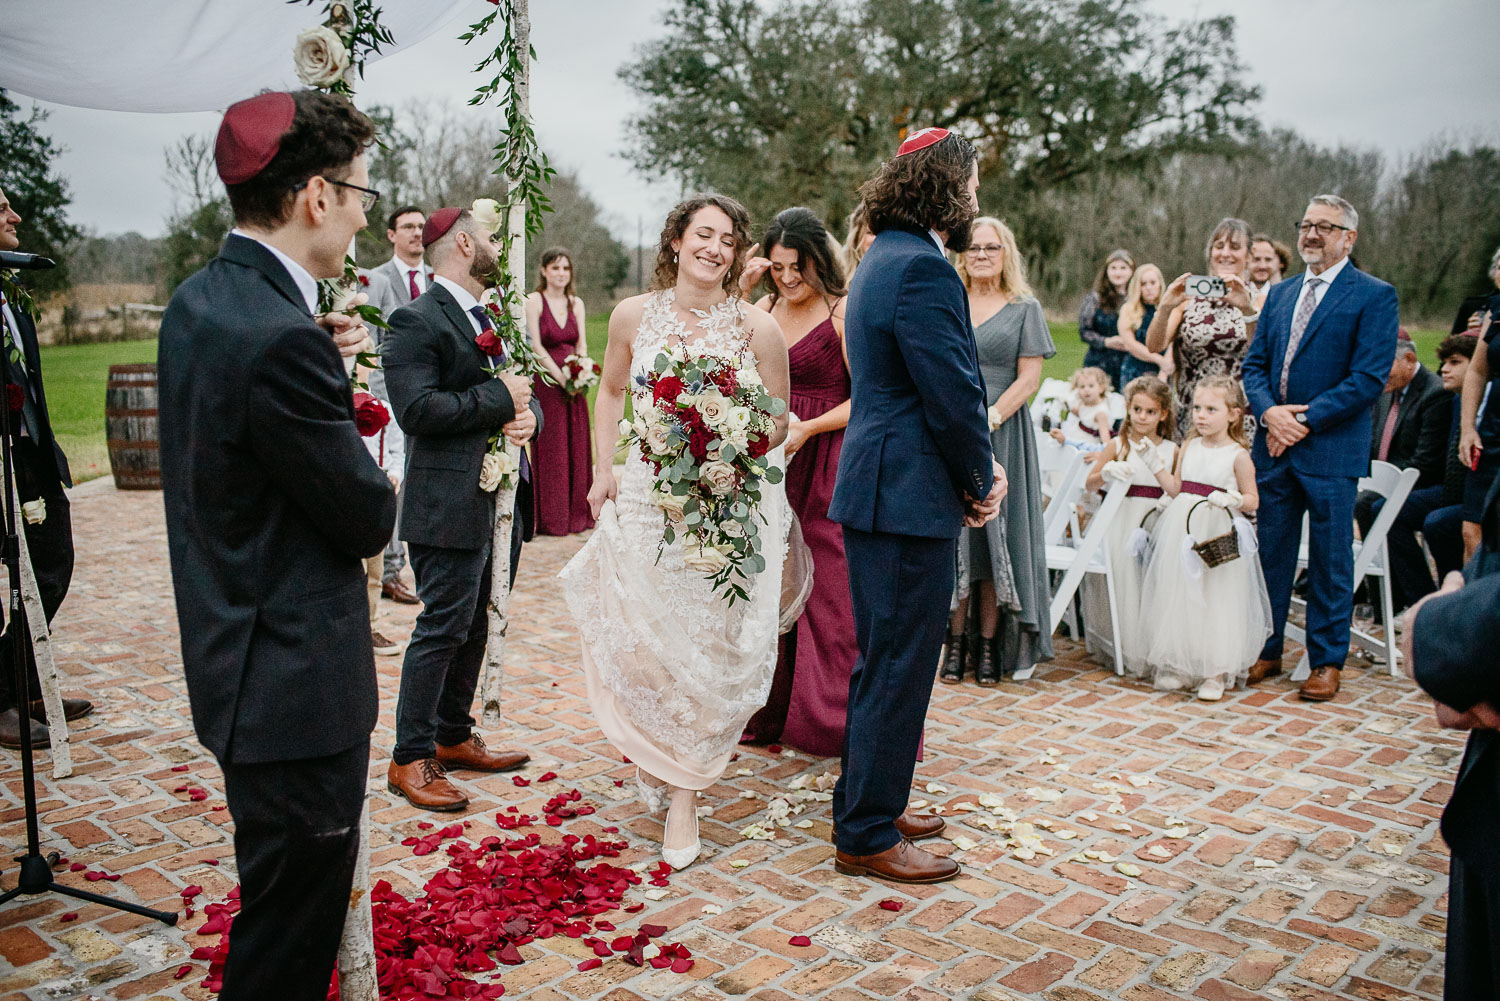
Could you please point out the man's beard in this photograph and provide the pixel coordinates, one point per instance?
(486, 271)
(957, 238)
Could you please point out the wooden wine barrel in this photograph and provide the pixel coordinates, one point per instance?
(130, 425)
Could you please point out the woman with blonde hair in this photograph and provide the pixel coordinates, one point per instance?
(858, 241)
(1006, 564)
(1141, 297)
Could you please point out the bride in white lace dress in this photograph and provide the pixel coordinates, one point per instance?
(674, 672)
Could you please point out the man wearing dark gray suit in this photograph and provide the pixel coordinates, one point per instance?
(449, 404)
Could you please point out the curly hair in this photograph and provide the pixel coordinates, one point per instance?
(327, 133)
(801, 230)
(925, 189)
(548, 256)
(1282, 251)
(665, 275)
(1166, 424)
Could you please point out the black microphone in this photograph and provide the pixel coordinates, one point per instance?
(25, 262)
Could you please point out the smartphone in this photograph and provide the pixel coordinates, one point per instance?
(1206, 287)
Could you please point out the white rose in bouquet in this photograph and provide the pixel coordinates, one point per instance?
(496, 467)
(698, 556)
(347, 298)
(486, 212)
(35, 511)
(656, 437)
(624, 426)
(712, 405)
(670, 503)
(739, 419)
(720, 477)
(748, 377)
(320, 56)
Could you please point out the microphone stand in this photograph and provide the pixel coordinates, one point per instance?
(36, 868)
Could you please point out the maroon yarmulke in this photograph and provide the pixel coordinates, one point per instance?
(922, 139)
(437, 224)
(250, 135)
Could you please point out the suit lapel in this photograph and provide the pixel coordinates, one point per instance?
(245, 251)
(458, 320)
(1337, 292)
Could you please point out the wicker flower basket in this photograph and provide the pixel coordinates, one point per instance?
(1219, 550)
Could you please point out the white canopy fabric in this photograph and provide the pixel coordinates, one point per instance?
(172, 55)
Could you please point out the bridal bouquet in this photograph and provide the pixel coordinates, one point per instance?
(705, 434)
(580, 373)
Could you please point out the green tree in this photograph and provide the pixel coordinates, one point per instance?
(36, 191)
(202, 218)
(599, 260)
(797, 103)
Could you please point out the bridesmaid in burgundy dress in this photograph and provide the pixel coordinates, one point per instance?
(810, 691)
(562, 461)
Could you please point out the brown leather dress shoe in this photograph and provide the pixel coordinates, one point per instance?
(399, 593)
(902, 863)
(10, 730)
(425, 785)
(1321, 686)
(1263, 669)
(473, 756)
(72, 709)
(916, 826)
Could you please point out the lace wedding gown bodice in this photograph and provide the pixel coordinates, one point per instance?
(674, 671)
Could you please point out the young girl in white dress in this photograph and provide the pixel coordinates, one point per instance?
(1144, 444)
(1205, 625)
(1087, 424)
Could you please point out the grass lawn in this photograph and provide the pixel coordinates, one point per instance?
(76, 375)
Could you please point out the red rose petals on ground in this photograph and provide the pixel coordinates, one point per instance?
(547, 777)
(182, 971)
(179, 768)
(891, 905)
(774, 748)
(77, 867)
(590, 964)
(520, 781)
(799, 940)
(70, 916)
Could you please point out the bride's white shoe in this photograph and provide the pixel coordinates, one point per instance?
(681, 858)
(655, 797)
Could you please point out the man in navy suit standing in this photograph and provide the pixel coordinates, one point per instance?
(916, 466)
(1314, 371)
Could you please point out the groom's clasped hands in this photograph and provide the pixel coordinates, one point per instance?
(981, 512)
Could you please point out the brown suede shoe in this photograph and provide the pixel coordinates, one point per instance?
(916, 826)
(902, 863)
(473, 756)
(1263, 669)
(425, 785)
(72, 709)
(1321, 686)
(10, 730)
(399, 593)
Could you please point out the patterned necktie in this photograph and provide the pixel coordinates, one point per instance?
(1299, 327)
(411, 283)
(483, 316)
(1389, 431)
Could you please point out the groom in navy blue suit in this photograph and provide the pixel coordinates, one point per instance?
(1317, 365)
(916, 466)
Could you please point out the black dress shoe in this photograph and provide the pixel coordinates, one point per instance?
(955, 661)
(10, 731)
(72, 709)
(987, 665)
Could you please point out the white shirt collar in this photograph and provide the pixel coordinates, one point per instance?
(406, 270)
(1329, 274)
(937, 240)
(305, 282)
(466, 302)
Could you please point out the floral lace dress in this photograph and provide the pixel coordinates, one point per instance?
(1211, 340)
(673, 671)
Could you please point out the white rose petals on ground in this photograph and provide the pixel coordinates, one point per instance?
(1126, 869)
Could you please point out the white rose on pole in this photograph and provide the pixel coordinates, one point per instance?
(320, 56)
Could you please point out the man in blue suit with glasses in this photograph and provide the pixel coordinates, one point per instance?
(1317, 365)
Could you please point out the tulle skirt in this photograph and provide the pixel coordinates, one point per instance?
(1201, 622)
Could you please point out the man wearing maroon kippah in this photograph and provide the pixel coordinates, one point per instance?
(272, 503)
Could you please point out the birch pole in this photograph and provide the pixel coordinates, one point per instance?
(41, 646)
(498, 611)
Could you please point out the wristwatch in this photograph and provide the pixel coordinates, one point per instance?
(1301, 417)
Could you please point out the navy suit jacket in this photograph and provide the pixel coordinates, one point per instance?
(272, 501)
(918, 440)
(1339, 370)
(1453, 652)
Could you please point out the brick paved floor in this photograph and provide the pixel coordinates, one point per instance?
(1262, 847)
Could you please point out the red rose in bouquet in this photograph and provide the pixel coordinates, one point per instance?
(490, 344)
(370, 415)
(667, 389)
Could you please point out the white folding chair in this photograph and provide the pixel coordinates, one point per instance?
(1089, 555)
(1371, 559)
(1063, 470)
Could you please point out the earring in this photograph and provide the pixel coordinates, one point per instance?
(674, 258)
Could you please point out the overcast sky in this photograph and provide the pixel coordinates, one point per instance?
(1392, 74)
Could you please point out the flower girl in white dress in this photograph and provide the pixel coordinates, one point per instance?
(1206, 624)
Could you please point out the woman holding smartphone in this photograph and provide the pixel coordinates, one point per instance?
(1208, 334)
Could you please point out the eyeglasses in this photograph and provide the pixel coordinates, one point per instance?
(1323, 228)
(367, 196)
(985, 250)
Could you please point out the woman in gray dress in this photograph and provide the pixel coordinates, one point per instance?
(1003, 566)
